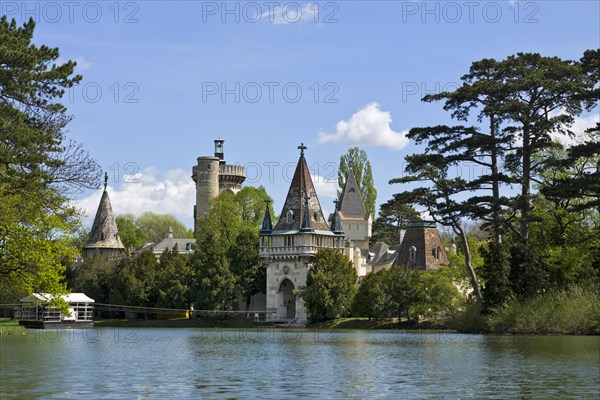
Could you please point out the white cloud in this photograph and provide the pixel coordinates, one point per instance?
(291, 13)
(369, 126)
(171, 192)
(578, 127)
(83, 64)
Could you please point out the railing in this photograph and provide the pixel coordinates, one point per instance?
(292, 250)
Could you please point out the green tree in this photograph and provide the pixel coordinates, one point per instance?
(132, 236)
(330, 286)
(394, 215)
(372, 299)
(437, 294)
(215, 284)
(401, 285)
(38, 166)
(94, 277)
(135, 281)
(440, 198)
(174, 280)
(156, 226)
(250, 274)
(356, 160)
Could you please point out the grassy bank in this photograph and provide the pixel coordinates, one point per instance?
(11, 327)
(573, 311)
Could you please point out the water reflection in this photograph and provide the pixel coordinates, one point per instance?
(192, 363)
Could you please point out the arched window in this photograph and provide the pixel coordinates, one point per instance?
(351, 190)
(412, 253)
(289, 217)
(436, 252)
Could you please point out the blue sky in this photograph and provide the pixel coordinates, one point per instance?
(163, 79)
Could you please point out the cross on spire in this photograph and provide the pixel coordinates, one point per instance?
(302, 147)
(337, 204)
(105, 180)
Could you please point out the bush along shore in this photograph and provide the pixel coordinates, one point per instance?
(572, 311)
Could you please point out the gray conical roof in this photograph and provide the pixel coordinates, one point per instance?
(351, 202)
(267, 225)
(104, 233)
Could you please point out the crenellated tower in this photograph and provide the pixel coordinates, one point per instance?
(212, 176)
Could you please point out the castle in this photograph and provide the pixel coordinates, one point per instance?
(288, 248)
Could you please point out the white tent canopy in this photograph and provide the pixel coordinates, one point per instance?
(69, 298)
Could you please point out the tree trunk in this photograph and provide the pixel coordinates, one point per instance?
(495, 182)
(465, 246)
(525, 185)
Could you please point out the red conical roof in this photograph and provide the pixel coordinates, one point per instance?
(301, 186)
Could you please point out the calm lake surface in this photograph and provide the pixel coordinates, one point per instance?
(118, 363)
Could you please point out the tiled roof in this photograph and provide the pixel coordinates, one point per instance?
(104, 233)
(301, 186)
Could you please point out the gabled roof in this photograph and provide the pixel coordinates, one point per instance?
(104, 233)
(351, 202)
(294, 205)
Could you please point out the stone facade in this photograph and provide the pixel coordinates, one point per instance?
(287, 250)
(213, 176)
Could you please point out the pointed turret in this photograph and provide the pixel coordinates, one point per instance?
(306, 225)
(336, 224)
(299, 212)
(104, 236)
(351, 202)
(267, 226)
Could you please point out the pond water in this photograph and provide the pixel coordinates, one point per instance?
(118, 363)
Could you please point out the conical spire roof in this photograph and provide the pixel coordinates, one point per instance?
(351, 202)
(295, 207)
(267, 226)
(104, 233)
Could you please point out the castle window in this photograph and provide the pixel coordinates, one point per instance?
(351, 190)
(412, 253)
(316, 215)
(289, 217)
(436, 252)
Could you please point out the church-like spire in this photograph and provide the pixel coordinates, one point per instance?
(336, 224)
(299, 212)
(267, 226)
(351, 202)
(104, 233)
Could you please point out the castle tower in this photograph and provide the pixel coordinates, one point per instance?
(212, 176)
(422, 247)
(104, 237)
(356, 221)
(287, 250)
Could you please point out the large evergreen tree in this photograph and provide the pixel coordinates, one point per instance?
(39, 167)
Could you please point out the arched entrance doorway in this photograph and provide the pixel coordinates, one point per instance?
(287, 301)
